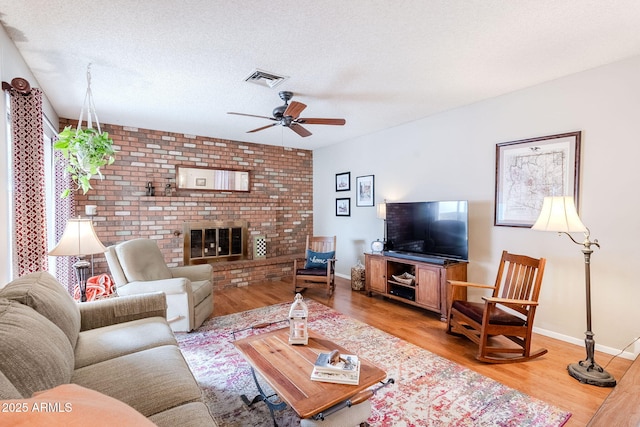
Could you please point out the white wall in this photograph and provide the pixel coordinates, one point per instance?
(11, 65)
(452, 156)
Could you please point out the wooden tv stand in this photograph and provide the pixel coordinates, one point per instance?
(430, 290)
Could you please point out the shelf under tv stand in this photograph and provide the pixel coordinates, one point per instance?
(430, 288)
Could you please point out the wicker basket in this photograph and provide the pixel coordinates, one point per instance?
(357, 277)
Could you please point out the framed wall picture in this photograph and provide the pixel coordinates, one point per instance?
(530, 169)
(343, 206)
(365, 191)
(343, 181)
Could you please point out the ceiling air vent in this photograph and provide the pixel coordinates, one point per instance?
(265, 78)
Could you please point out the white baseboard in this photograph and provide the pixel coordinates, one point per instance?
(631, 355)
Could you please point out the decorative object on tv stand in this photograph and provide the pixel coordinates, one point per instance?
(79, 239)
(377, 246)
(298, 333)
(87, 150)
(404, 278)
(559, 214)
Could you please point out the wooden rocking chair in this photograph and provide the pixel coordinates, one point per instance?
(507, 314)
(308, 274)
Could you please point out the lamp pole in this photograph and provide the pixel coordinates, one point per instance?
(588, 371)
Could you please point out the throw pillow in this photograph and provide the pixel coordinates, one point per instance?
(42, 292)
(34, 353)
(318, 259)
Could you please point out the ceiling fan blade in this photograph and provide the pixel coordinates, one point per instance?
(310, 121)
(299, 130)
(252, 115)
(294, 109)
(262, 128)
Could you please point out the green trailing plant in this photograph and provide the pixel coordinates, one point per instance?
(87, 150)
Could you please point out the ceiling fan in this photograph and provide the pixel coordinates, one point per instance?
(288, 115)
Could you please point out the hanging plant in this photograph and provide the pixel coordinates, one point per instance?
(87, 150)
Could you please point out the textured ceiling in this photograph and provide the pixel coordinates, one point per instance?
(179, 65)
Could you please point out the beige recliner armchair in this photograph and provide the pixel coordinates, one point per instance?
(138, 267)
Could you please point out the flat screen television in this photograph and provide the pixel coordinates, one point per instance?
(435, 231)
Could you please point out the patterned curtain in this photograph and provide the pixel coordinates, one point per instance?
(29, 216)
(64, 209)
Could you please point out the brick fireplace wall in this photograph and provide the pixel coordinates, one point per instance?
(279, 204)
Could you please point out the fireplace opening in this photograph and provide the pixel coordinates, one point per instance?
(214, 241)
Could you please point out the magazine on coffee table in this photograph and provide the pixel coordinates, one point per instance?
(351, 376)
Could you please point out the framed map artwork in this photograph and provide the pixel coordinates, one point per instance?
(530, 169)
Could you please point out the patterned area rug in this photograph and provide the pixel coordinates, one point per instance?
(428, 391)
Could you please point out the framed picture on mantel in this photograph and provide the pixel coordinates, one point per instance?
(530, 169)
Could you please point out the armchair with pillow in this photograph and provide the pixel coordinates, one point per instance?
(137, 267)
(318, 269)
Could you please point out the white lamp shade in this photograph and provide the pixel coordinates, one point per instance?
(559, 214)
(381, 210)
(79, 238)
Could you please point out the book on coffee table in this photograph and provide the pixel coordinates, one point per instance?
(335, 362)
(351, 376)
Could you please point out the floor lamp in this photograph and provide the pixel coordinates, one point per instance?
(559, 214)
(79, 239)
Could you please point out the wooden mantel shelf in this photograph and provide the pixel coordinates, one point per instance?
(205, 196)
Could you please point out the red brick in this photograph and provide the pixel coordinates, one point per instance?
(280, 198)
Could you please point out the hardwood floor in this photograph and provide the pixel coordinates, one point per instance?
(545, 378)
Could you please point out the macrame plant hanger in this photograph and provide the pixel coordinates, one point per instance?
(91, 109)
(89, 106)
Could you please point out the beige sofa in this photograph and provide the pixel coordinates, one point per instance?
(121, 347)
(138, 267)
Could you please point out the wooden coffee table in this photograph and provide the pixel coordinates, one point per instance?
(287, 369)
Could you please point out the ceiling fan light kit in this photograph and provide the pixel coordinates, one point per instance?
(288, 115)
